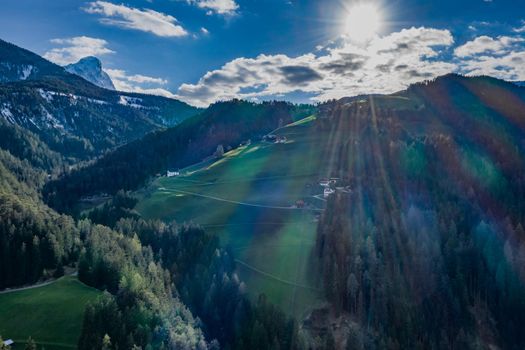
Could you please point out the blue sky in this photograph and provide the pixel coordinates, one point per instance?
(202, 51)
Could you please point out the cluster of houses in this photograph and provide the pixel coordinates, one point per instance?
(275, 138)
(330, 187)
(327, 184)
(172, 173)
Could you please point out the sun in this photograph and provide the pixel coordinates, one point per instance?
(362, 22)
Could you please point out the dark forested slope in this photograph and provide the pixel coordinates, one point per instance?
(426, 250)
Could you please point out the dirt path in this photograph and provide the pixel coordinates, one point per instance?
(269, 275)
(235, 202)
(38, 285)
(61, 345)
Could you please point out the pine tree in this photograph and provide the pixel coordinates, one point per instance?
(30, 344)
(106, 342)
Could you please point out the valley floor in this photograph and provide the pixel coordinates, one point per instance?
(261, 200)
(51, 314)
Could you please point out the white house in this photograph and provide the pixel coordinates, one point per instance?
(328, 191)
(324, 183)
(173, 173)
(281, 139)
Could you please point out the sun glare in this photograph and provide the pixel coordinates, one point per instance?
(362, 22)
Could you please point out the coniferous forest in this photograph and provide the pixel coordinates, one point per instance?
(368, 195)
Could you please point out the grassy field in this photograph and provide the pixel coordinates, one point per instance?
(247, 198)
(51, 314)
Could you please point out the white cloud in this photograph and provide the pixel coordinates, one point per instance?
(138, 83)
(145, 20)
(485, 44)
(222, 7)
(502, 57)
(73, 49)
(509, 67)
(383, 65)
(205, 31)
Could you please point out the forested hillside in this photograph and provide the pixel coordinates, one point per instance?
(225, 124)
(157, 276)
(418, 241)
(426, 251)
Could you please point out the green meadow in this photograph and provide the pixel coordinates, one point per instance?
(52, 315)
(248, 199)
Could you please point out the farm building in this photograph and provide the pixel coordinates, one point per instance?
(8, 342)
(269, 138)
(281, 139)
(324, 182)
(172, 173)
(328, 192)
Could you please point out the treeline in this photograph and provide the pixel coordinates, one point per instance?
(127, 168)
(33, 238)
(141, 308)
(26, 146)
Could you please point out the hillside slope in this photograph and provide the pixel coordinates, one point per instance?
(420, 241)
(224, 124)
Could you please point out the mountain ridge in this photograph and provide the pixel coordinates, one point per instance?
(73, 116)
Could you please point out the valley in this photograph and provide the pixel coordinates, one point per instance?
(249, 199)
(379, 221)
(56, 313)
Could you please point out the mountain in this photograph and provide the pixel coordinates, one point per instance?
(73, 116)
(90, 68)
(419, 241)
(17, 64)
(155, 277)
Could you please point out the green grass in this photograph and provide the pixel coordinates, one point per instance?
(52, 314)
(273, 245)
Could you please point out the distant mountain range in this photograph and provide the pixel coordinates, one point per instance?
(72, 115)
(90, 68)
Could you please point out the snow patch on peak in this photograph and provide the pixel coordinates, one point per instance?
(90, 68)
